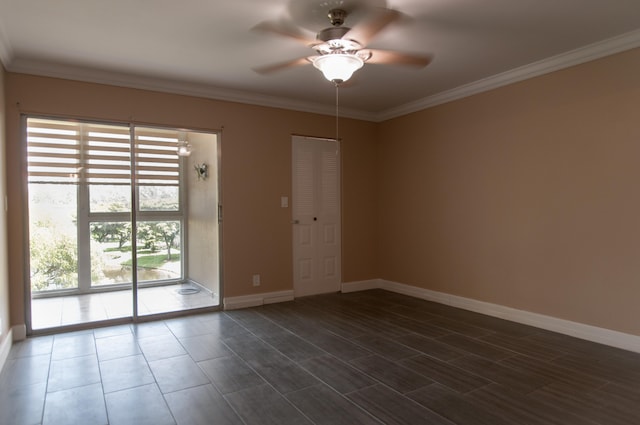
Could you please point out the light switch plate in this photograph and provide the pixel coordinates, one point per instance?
(284, 202)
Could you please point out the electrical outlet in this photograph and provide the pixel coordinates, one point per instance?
(256, 280)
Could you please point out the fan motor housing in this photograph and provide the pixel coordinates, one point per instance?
(332, 33)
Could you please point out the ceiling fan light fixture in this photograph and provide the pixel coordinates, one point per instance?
(338, 67)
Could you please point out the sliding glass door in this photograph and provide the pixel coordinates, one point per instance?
(109, 216)
(160, 219)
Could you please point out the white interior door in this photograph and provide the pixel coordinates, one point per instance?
(316, 216)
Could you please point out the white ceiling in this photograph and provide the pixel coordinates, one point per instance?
(207, 47)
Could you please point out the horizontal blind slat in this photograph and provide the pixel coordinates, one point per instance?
(35, 125)
(58, 155)
(32, 164)
(156, 159)
(161, 152)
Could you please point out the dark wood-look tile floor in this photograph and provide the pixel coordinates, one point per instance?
(371, 357)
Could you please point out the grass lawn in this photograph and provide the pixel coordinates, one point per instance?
(153, 261)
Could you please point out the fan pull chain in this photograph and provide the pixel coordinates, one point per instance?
(337, 113)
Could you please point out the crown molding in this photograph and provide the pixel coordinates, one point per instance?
(92, 75)
(585, 54)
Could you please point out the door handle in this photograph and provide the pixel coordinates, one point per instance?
(295, 222)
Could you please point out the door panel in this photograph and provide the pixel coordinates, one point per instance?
(316, 215)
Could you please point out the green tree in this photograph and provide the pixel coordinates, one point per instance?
(54, 259)
(168, 231)
(105, 232)
(146, 235)
(122, 233)
(100, 232)
(150, 232)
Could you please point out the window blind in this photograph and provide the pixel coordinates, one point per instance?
(105, 154)
(53, 151)
(60, 151)
(157, 161)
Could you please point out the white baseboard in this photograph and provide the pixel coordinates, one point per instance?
(361, 285)
(5, 348)
(566, 327)
(233, 303)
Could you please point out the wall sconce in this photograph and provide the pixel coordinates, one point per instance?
(184, 148)
(202, 171)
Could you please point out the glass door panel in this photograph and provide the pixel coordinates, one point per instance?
(165, 238)
(79, 186)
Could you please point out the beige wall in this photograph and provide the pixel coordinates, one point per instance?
(202, 196)
(527, 196)
(4, 272)
(256, 162)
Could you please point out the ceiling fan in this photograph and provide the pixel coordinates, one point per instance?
(340, 50)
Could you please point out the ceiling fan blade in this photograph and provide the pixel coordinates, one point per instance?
(364, 31)
(269, 69)
(286, 29)
(388, 56)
